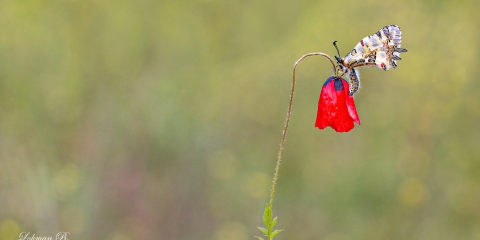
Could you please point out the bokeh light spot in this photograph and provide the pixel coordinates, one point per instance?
(9, 229)
(256, 184)
(412, 192)
(67, 180)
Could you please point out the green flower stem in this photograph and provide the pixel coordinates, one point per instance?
(287, 121)
(267, 217)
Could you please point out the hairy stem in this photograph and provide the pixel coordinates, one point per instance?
(287, 121)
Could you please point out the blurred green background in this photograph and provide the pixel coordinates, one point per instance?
(161, 120)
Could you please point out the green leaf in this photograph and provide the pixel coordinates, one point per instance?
(269, 223)
(267, 215)
(276, 232)
(273, 223)
(264, 230)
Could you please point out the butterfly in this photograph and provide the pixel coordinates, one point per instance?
(381, 50)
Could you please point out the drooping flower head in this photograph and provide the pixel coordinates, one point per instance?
(336, 108)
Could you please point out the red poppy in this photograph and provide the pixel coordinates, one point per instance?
(336, 108)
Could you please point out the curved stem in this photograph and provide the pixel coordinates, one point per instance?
(287, 121)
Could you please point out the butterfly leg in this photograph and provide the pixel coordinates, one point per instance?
(354, 81)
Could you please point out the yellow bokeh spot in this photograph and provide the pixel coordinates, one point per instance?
(256, 184)
(9, 229)
(67, 180)
(222, 165)
(413, 192)
(231, 231)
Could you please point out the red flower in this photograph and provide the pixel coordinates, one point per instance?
(336, 107)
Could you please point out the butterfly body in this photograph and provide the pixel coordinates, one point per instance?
(381, 50)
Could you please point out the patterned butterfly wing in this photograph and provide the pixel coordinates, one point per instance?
(381, 50)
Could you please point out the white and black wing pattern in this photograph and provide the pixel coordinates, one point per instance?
(381, 50)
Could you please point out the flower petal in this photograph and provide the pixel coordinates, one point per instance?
(352, 110)
(326, 105)
(335, 107)
(343, 121)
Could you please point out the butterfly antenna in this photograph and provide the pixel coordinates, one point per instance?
(335, 44)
